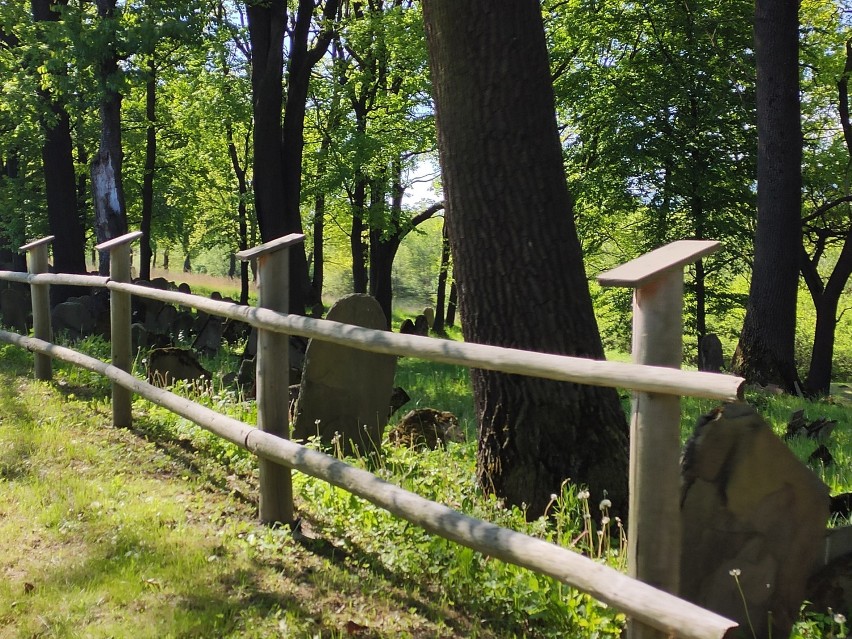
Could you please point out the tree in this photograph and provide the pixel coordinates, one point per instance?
(379, 71)
(827, 232)
(43, 75)
(518, 262)
(107, 185)
(659, 138)
(765, 353)
(278, 165)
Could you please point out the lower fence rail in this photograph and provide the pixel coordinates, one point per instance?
(638, 600)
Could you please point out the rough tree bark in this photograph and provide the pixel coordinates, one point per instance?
(518, 262)
(107, 187)
(765, 353)
(63, 214)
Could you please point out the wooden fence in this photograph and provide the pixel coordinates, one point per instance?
(655, 425)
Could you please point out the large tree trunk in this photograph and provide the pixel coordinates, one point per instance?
(267, 25)
(63, 214)
(150, 167)
(765, 353)
(517, 257)
(107, 188)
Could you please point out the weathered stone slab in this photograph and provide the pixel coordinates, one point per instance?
(15, 309)
(73, 318)
(710, 357)
(752, 513)
(346, 392)
(169, 365)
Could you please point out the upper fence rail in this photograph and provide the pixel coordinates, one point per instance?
(638, 377)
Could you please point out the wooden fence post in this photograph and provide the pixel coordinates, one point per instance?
(119, 316)
(40, 294)
(272, 378)
(654, 530)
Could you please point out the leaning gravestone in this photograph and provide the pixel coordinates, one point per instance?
(345, 392)
(753, 522)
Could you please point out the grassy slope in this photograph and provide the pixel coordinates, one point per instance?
(151, 532)
(106, 534)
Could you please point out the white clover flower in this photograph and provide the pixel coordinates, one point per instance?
(605, 503)
(735, 572)
(839, 619)
(604, 521)
(583, 495)
(553, 497)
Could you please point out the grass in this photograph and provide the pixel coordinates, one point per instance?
(151, 532)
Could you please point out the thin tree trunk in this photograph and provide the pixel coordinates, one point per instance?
(356, 239)
(516, 254)
(150, 167)
(827, 298)
(440, 297)
(452, 302)
(826, 301)
(319, 247)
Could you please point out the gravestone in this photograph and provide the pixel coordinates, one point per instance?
(429, 314)
(72, 318)
(421, 326)
(753, 521)
(209, 338)
(169, 365)
(15, 308)
(182, 327)
(710, 357)
(345, 392)
(407, 327)
(138, 337)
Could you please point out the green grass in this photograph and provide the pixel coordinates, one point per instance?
(151, 531)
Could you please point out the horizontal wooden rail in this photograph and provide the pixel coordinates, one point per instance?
(656, 379)
(55, 278)
(652, 379)
(645, 603)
